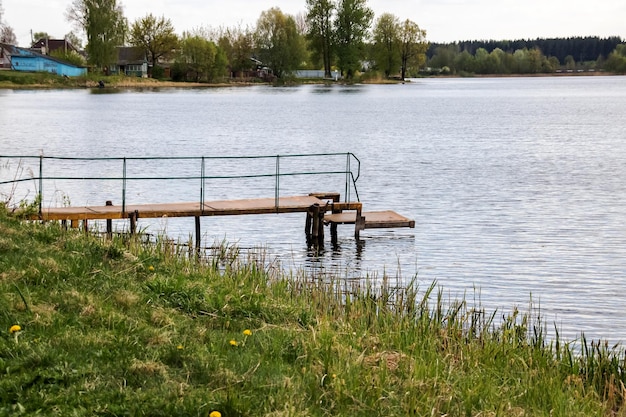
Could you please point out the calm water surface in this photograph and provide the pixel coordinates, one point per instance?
(516, 185)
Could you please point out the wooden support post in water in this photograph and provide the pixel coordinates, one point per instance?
(359, 224)
(133, 221)
(198, 237)
(109, 222)
(320, 225)
(307, 223)
(333, 226)
(86, 226)
(315, 229)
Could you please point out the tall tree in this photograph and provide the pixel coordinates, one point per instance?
(155, 35)
(278, 43)
(104, 25)
(413, 47)
(386, 46)
(353, 22)
(7, 35)
(201, 57)
(320, 15)
(74, 40)
(238, 45)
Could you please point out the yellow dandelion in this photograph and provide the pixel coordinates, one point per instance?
(150, 268)
(180, 347)
(15, 328)
(215, 414)
(233, 343)
(247, 332)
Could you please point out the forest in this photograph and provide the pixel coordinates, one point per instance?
(528, 56)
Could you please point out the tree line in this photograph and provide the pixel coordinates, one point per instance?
(527, 56)
(330, 34)
(341, 35)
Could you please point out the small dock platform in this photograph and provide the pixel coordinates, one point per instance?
(373, 219)
(321, 209)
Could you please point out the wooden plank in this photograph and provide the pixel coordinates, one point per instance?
(211, 208)
(373, 219)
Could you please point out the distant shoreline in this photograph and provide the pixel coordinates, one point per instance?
(23, 81)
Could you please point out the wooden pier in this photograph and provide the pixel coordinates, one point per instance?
(321, 209)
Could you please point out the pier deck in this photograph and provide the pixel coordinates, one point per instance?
(320, 208)
(209, 208)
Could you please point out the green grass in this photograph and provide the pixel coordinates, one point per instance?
(19, 79)
(118, 327)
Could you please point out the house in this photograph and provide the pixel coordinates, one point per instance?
(21, 59)
(131, 61)
(47, 46)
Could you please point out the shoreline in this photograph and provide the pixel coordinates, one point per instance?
(49, 81)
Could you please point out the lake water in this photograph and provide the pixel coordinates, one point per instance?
(517, 185)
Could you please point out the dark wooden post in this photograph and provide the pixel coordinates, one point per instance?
(359, 223)
(86, 226)
(198, 237)
(133, 221)
(307, 223)
(109, 222)
(74, 224)
(320, 225)
(315, 229)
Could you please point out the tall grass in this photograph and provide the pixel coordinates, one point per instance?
(120, 327)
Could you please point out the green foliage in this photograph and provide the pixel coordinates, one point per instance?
(413, 47)
(104, 24)
(238, 47)
(387, 44)
(158, 72)
(352, 25)
(139, 329)
(522, 61)
(41, 35)
(71, 57)
(616, 61)
(155, 36)
(278, 43)
(320, 15)
(199, 60)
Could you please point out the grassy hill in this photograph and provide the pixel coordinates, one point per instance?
(117, 327)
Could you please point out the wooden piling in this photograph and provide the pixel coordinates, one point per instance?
(198, 236)
(316, 222)
(109, 222)
(133, 216)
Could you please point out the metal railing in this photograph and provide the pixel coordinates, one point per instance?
(351, 171)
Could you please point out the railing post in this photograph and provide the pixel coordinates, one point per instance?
(109, 222)
(347, 193)
(202, 174)
(124, 187)
(277, 184)
(40, 182)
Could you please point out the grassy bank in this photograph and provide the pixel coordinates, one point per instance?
(18, 80)
(121, 328)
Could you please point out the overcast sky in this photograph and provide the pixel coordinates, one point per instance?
(443, 20)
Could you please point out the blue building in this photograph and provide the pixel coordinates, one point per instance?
(26, 60)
